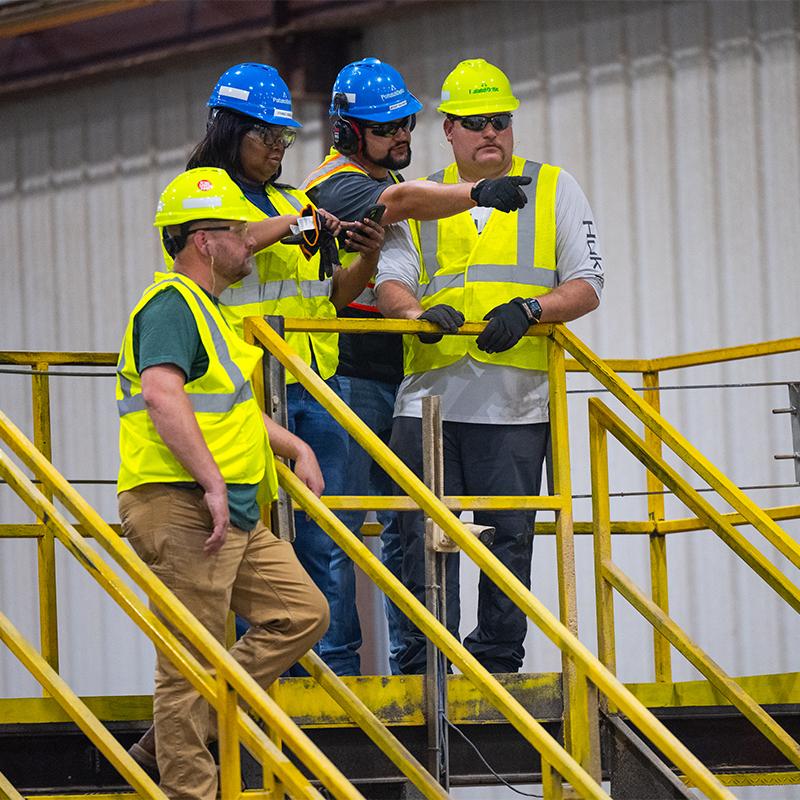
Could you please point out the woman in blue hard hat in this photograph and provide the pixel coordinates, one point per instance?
(250, 127)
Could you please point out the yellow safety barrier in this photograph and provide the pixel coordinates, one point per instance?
(575, 671)
(584, 662)
(7, 791)
(80, 714)
(609, 576)
(232, 721)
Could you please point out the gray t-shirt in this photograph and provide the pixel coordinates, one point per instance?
(474, 391)
(377, 356)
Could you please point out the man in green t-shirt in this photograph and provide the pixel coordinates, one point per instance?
(196, 460)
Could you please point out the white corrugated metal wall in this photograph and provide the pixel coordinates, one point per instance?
(680, 120)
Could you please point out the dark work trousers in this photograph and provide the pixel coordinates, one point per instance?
(478, 460)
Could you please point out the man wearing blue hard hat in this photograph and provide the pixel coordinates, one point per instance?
(373, 115)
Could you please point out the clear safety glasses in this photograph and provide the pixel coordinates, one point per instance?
(271, 135)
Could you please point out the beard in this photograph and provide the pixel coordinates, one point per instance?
(393, 162)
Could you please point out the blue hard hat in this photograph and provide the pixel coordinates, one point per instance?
(371, 90)
(255, 90)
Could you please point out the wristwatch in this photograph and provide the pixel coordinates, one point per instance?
(532, 309)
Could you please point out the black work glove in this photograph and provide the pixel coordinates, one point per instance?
(446, 317)
(328, 255)
(507, 323)
(501, 193)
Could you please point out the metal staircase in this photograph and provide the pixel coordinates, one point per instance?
(369, 737)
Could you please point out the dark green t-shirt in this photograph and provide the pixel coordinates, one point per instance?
(165, 332)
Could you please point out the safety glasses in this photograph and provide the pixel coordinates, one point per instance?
(240, 229)
(477, 122)
(389, 129)
(271, 135)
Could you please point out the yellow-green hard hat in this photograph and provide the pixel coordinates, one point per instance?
(476, 87)
(203, 193)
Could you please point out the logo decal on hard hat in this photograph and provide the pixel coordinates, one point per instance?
(280, 112)
(483, 89)
(202, 202)
(204, 185)
(232, 91)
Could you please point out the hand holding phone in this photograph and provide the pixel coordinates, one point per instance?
(374, 214)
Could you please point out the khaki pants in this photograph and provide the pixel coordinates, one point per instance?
(255, 574)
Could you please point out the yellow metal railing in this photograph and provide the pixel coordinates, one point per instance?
(609, 576)
(577, 670)
(231, 684)
(584, 666)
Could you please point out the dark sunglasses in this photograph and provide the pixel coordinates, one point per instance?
(389, 129)
(477, 122)
(271, 135)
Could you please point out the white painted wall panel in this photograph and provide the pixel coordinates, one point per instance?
(680, 120)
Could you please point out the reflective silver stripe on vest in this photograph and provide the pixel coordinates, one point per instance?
(316, 288)
(328, 166)
(245, 295)
(124, 383)
(523, 272)
(220, 402)
(429, 236)
(290, 198)
(437, 283)
(511, 273)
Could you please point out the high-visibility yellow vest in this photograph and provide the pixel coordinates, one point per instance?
(287, 284)
(334, 164)
(514, 256)
(224, 406)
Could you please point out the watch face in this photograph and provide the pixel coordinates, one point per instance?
(536, 309)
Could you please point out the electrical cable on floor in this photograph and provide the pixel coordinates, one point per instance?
(486, 763)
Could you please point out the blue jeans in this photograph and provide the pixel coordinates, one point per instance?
(478, 460)
(314, 548)
(373, 401)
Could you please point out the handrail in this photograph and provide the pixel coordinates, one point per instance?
(713, 519)
(657, 528)
(587, 664)
(652, 420)
(76, 708)
(175, 612)
(7, 790)
(607, 574)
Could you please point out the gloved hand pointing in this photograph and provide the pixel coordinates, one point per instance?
(507, 323)
(446, 317)
(504, 194)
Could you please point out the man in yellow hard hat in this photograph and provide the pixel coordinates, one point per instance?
(539, 264)
(196, 464)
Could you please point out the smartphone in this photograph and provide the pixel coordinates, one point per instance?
(374, 213)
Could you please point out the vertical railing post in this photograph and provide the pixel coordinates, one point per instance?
(230, 767)
(578, 737)
(46, 545)
(435, 597)
(601, 527)
(662, 654)
(269, 385)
